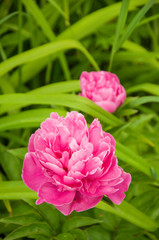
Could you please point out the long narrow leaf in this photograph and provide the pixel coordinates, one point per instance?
(143, 100)
(42, 22)
(131, 158)
(43, 51)
(17, 190)
(30, 118)
(135, 22)
(146, 87)
(131, 214)
(78, 30)
(73, 101)
(120, 25)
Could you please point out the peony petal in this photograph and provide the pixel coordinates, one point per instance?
(31, 143)
(83, 202)
(49, 125)
(54, 168)
(122, 187)
(95, 134)
(108, 138)
(116, 197)
(32, 173)
(66, 209)
(75, 158)
(39, 143)
(73, 144)
(93, 164)
(50, 194)
(105, 190)
(108, 105)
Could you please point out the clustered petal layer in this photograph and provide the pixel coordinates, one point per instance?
(72, 166)
(103, 88)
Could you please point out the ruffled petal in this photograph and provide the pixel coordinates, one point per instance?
(50, 194)
(32, 173)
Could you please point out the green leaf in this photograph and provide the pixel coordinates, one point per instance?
(15, 190)
(143, 100)
(97, 233)
(146, 87)
(10, 163)
(24, 231)
(65, 236)
(23, 219)
(134, 22)
(131, 214)
(93, 21)
(76, 222)
(30, 118)
(82, 28)
(110, 221)
(59, 87)
(123, 236)
(119, 28)
(43, 51)
(48, 212)
(78, 234)
(18, 152)
(127, 112)
(133, 159)
(73, 101)
(42, 22)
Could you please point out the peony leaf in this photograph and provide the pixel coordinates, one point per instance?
(40, 228)
(65, 236)
(98, 233)
(76, 222)
(78, 234)
(22, 219)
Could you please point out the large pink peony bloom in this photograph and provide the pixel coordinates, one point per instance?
(72, 166)
(103, 88)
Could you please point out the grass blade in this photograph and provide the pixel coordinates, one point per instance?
(135, 22)
(73, 101)
(15, 190)
(146, 87)
(43, 51)
(79, 30)
(120, 25)
(42, 22)
(128, 156)
(131, 214)
(143, 100)
(26, 119)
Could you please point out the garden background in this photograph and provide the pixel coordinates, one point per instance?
(44, 47)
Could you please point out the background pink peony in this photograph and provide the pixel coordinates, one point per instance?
(103, 88)
(72, 166)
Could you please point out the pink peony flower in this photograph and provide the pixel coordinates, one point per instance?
(72, 166)
(103, 88)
